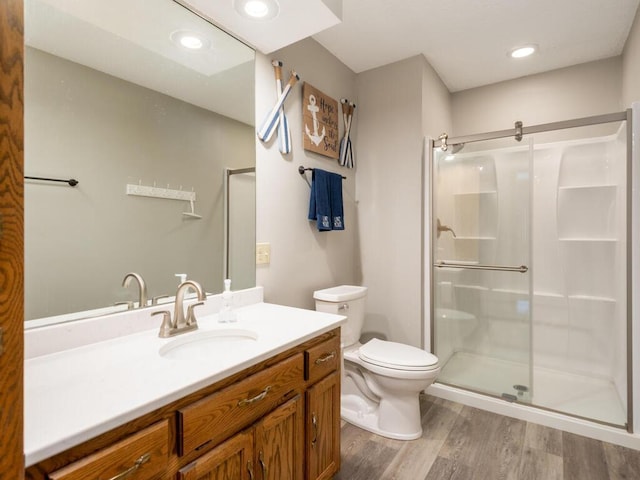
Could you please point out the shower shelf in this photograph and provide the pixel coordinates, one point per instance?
(548, 294)
(485, 192)
(508, 291)
(472, 287)
(592, 298)
(593, 240)
(586, 187)
(472, 238)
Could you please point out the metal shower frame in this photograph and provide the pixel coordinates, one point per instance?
(228, 172)
(518, 132)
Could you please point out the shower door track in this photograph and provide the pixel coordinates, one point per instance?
(518, 132)
(545, 127)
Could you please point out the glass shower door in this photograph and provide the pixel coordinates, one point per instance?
(481, 217)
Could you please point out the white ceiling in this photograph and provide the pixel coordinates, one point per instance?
(295, 21)
(467, 41)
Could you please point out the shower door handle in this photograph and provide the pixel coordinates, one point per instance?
(479, 266)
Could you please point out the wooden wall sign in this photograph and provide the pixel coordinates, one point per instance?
(320, 119)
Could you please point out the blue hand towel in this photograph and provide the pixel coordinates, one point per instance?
(325, 203)
(335, 195)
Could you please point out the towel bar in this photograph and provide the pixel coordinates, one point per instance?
(475, 266)
(72, 181)
(302, 169)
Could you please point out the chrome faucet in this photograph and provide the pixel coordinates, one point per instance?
(142, 286)
(444, 228)
(181, 323)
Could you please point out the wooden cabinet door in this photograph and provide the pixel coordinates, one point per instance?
(280, 443)
(231, 460)
(323, 428)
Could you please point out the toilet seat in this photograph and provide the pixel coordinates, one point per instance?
(397, 356)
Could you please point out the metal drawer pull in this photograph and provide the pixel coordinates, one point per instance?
(263, 465)
(250, 468)
(128, 472)
(326, 357)
(260, 396)
(477, 266)
(314, 422)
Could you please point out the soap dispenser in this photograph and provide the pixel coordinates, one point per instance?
(227, 315)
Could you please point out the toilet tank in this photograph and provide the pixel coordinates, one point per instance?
(347, 300)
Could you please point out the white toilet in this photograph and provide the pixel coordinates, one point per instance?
(381, 381)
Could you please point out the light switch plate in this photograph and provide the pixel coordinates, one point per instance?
(263, 253)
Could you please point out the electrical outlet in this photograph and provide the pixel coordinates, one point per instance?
(263, 253)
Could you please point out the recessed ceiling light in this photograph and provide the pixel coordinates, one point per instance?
(524, 51)
(256, 8)
(259, 10)
(188, 39)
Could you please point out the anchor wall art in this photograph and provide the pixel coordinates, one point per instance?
(320, 119)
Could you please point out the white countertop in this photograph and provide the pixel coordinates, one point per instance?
(74, 395)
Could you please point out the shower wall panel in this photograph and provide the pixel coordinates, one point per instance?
(579, 205)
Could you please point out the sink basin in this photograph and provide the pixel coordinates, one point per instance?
(205, 343)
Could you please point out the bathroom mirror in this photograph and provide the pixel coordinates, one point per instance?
(129, 108)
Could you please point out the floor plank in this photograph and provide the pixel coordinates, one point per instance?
(623, 463)
(372, 459)
(465, 443)
(583, 458)
(415, 458)
(413, 461)
(448, 469)
(543, 438)
(505, 450)
(537, 464)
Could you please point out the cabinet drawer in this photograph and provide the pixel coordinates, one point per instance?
(141, 456)
(322, 359)
(218, 416)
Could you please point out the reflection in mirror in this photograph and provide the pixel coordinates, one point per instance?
(115, 100)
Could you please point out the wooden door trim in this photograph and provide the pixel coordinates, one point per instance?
(11, 238)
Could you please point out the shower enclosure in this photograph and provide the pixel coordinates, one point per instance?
(531, 265)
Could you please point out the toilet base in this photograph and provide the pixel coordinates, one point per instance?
(365, 414)
(369, 422)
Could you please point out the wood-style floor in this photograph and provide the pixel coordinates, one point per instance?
(464, 443)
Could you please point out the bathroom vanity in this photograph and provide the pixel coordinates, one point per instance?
(257, 399)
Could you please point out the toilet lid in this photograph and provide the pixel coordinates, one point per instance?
(396, 355)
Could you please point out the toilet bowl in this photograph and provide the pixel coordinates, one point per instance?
(381, 380)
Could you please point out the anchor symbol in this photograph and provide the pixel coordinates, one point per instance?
(314, 109)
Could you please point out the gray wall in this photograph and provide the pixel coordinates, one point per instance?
(631, 65)
(382, 244)
(302, 259)
(579, 91)
(400, 104)
(80, 242)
